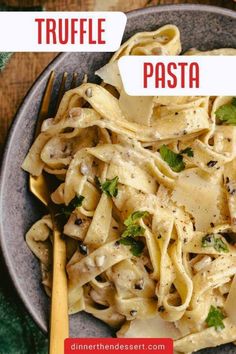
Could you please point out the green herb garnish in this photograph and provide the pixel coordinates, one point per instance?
(137, 246)
(133, 229)
(215, 318)
(175, 161)
(74, 203)
(135, 216)
(109, 186)
(211, 240)
(227, 112)
(188, 151)
(64, 212)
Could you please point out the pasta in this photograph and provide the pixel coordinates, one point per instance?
(146, 193)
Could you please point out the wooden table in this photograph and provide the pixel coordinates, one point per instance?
(23, 68)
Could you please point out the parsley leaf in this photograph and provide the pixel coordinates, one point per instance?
(74, 203)
(110, 186)
(175, 161)
(220, 245)
(215, 318)
(227, 112)
(188, 151)
(136, 245)
(215, 241)
(64, 212)
(133, 231)
(135, 216)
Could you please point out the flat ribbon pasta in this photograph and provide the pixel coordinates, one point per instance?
(145, 192)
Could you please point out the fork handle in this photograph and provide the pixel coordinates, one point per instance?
(59, 321)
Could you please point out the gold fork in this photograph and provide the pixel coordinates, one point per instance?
(59, 322)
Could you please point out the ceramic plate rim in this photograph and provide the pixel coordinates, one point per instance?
(18, 116)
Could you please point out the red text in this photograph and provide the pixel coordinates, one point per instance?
(171, 75)
(70, 31)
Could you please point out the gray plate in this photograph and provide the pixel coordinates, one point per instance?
(203, 27)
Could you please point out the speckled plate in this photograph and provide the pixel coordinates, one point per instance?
(204, 27)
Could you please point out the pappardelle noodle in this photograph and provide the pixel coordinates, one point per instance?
(146, 192)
